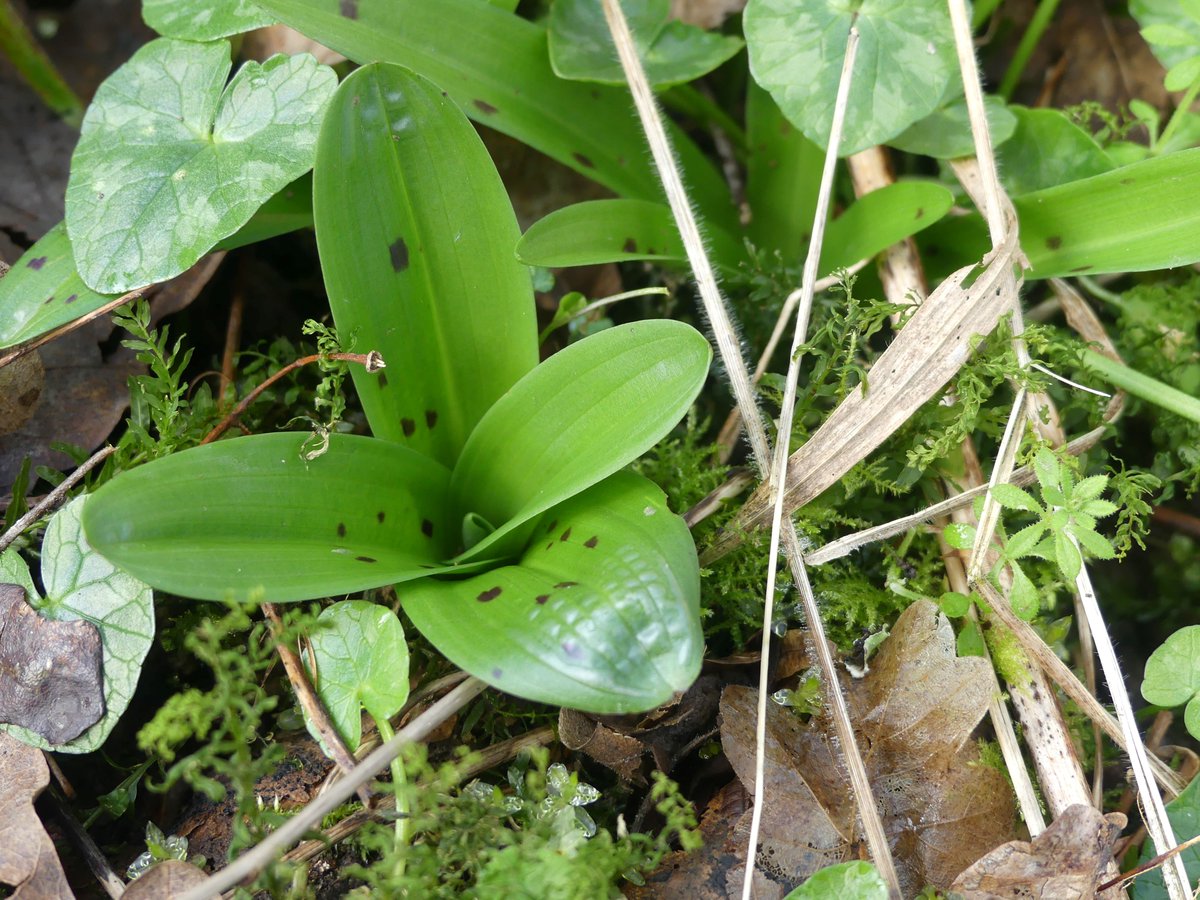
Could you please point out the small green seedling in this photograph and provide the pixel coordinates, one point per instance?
(1173, 676)
(492, 493)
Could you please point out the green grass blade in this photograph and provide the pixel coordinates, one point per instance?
(1143, 386)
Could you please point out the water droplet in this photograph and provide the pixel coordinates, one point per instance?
(779, 627)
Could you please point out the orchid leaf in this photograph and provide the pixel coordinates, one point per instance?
(881, 218)
(416, 236)
(252, 519)
(577, 418)
(600, 614)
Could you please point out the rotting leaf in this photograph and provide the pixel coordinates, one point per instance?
(50, 673)
(21, 385)
(169, 878)
(27, 858)
(914, 713)
(1065, 860)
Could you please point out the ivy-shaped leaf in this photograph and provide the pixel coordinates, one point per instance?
(203, 20)
(82, 584)
(170, 160)
(673, 52)
(1173, 675)
(796, 49)
(358, 659)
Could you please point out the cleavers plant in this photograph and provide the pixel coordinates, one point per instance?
(491, 493)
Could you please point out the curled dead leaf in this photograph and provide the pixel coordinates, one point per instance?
(27, 858)
(166, 880)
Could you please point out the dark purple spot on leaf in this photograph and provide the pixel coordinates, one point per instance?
(427, 528)
(341, 529)
(630, 246)
(380, 516)
(49, 299)
(920, 213)
(408, 426)
(366, 559)
(36, 263)
(484, 107)
(383, 379)
(591, 542)
(399, 252)
(583, 160)
(488, 596)
(549, 545)
(565, 584)
(348, 8)
(566, 535)
(1054, 242)
(497, 673)
(572, 649)
(72, 298)
(1087, 268)
(651, 251)
(541, 598)
(430, 417)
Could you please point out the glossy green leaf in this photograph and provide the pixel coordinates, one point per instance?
(946, 132)
(796, 50)
(250, 513)
(82, 584)
(43, 290)
(287, 211)
(416, 236)
(783, 174)
(856, 880)
(358, 659)
(203, 20)
(1027, 163)
(601, 614)
(881, 218)
(1173, 670)
(577, 418)
(496, 66)
(1134, 219)
(170, 160)
(1184, 815)
(672, 52)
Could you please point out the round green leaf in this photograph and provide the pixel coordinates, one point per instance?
(672, 52)
(1025, 165)
(946, 132)
(601, 614)
(82, 584)
(1173, 670)
(170, 160)
(905, 61)
(203, 20)
(250, 517)
(358, 658)
(581, 415)
(856, 880)
(416, 235)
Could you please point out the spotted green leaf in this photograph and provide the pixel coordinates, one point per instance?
(601, 613)
(577, 418)
(203, 20)
(905, 61)
(251, 514)
(358, 659)
(81, 584)
(171, 160)
(43, 290)
(673, 52)
(416, 235)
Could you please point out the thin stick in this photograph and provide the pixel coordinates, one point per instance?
(372, 361)
(58, 332)
(55, 497)
(314, 709)
(233, 336)
(273, 845)
(93, 856)
(1149, 864)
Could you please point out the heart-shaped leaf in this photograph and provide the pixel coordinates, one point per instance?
(359, 660)
(946, 132)
(82, 584)
(672, 52)
(1026, 167)
(251, 513)
(203, 20)
(577, 418)
(796, 49)
(601, 614)
(43, 290)
(170, 160)
(416, 235)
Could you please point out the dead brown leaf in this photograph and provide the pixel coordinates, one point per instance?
(27, 858)
(1065, 862)
(20, 390)
(167, 879)
(914, 714)
(51, 675)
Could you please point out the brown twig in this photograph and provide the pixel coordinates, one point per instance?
(372, 362)
(92, 855)
(55, 497)
(1148, 865)
(233, 336)
(314, 709)
(58, 332)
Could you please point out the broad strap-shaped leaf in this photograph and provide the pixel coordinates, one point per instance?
(416, 236)
(879, 219)
(82, 584)
(250, 514)
(601, 614)
(43, 290)
(170, 160)
(496, 66)
(796, 49)
(203, 20)
(1134, 219)
(358, 659)
(581, 415)
(672, 52)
